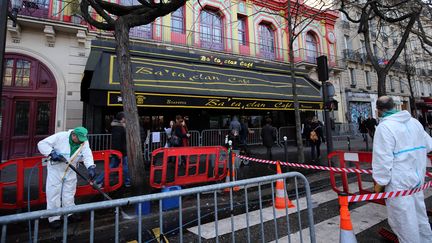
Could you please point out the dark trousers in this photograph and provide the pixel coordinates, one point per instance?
(269, 153)
(315, 150)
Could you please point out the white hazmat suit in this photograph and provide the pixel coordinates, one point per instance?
(56, 171)
(399, 163)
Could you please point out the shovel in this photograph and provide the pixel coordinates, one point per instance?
(91, 183)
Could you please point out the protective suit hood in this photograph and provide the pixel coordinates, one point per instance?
(401, 116)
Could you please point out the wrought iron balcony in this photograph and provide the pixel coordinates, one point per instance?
(38, 9)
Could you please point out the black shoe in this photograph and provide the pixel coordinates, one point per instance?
(74, 218)
(56, 224)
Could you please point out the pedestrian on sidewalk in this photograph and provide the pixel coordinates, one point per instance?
(315, 137)
(168, 132)
(399, 163)
(371, 124)
(363, 130)
(118, 142)
(268, 135)
(72, 147)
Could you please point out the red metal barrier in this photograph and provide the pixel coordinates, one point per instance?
(17, 188)
(199, 165)
(361, 160)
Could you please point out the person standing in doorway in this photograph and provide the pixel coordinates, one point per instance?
(118, 142)
(399, 161)
(268, 135)
(72, 147)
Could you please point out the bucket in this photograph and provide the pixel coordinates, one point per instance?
(145, 208)
(171, 202)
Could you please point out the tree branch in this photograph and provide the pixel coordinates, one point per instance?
(84, 7)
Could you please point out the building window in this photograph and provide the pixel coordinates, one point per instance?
(17, 73)
(177, 20)
(267, 41)
(311, 48)
(242, 30)
(422, 88)
(347, 42)
(391, 83)
(143, 31)
(363, 46)
(375, 49)
(352, 77)
(368, 80)
(386, 53)
(430, 90)
(211, 30)
(401, 85)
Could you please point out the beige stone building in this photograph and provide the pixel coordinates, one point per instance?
(358, 83)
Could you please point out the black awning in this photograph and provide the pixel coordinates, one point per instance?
(173, 79)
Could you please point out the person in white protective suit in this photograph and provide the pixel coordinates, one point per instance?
(399, 163)
(61, 181)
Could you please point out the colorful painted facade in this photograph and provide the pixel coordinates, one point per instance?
(57, 40)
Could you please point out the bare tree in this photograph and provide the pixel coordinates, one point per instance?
(411, 18)
(120, 18)
(299, 15)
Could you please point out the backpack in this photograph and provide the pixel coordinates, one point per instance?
(313, 135)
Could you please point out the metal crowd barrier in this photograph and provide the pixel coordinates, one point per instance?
(289, 132)
(213, 137)
(216, 137)
(99, 141)
(202, 204)
(254, 136)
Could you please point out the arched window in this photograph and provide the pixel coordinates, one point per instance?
(311, 48)
(177, 20)
(17, 73)
(143, 31)
(266, 41)
(211, 35)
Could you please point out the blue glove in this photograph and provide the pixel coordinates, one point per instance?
(57, 157)
(92, 172)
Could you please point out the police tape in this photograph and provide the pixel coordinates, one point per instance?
(385, 195)
(306, 166)
(314, 167)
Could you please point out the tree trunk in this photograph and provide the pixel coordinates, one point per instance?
(381, 83)
(411, 98)
(134, 151)
(299, 138)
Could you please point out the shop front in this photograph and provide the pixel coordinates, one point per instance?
(208, 89)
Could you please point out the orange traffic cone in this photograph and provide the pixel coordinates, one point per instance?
(233, 176)
(281, 201)
(346, 229)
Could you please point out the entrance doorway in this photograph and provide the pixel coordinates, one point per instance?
(28, 106)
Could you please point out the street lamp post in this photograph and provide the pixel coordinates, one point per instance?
(16, 7)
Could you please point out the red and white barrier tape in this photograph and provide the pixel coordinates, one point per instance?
(383, 195)
(315, 167)
(354, 198)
